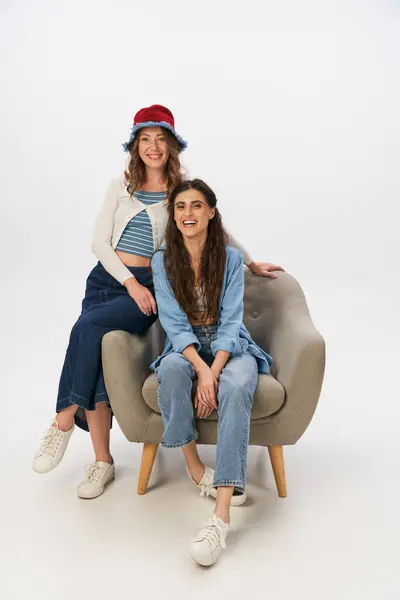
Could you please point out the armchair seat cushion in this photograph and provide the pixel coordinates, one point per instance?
(268, 399)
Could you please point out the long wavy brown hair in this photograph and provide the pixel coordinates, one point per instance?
(135, 174)
(212, 262)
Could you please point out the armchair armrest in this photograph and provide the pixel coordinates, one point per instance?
(287, 332)
(298, 350)
(126, 359)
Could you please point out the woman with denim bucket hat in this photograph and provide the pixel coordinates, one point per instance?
(199, 285)
(119, 290)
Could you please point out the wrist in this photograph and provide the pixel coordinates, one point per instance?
(201, 367)
(216, 371)
(129, 281)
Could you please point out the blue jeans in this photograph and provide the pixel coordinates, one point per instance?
(237, 385)
(106, 307)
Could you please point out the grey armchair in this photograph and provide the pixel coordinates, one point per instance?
(277, 316)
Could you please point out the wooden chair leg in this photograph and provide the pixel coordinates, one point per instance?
(148, 458)
(278, 467)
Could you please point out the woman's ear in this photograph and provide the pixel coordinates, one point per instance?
(212, 213)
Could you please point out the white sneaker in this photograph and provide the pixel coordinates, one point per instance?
(98, 474)
(206, 548)
(206, 487)
(54, 444)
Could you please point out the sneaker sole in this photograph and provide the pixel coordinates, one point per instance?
(202, 563)
(41, 472)
(100, 493)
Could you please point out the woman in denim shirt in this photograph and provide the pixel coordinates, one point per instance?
(199, 286)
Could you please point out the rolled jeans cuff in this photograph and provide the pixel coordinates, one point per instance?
(180, 444)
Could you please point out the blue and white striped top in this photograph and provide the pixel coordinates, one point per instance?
(137, 237)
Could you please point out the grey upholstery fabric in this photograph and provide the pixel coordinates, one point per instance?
(277, 316)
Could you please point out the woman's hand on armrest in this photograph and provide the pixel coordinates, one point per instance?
(264, 269)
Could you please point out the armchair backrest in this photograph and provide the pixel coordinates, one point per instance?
(259, 311)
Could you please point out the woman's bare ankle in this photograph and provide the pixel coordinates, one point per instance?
(224, 515)
(222, 506)
(197, 472)
(65, 419)
(104, 457)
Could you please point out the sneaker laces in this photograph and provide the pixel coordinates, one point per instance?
(50, 442)
(212, 533)
(207, 485)
(94, 472)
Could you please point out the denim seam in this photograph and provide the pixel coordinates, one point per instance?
(60, 404)
(80, 397)
(160, 404)
(66, 398)
(228, 483)
(68, 368)
(180, 444)
(84, 407)
(73, 404)
(102, 402)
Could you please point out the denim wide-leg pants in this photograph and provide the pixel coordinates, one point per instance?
(106, 307)
(237, 385)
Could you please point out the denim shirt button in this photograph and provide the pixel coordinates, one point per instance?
(254, 315)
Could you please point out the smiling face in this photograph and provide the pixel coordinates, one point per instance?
(192, 213)
(153, 147)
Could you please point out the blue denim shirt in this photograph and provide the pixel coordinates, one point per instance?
(232, 335)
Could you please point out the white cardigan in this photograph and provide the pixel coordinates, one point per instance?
(118, 209)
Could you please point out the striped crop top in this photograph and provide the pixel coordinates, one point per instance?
(137, 237)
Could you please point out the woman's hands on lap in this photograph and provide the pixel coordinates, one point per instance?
(141, 295)
(205, 400)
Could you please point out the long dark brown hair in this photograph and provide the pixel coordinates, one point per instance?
(135, 175)
(212, 262)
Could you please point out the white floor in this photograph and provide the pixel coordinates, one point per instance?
(336, 536)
